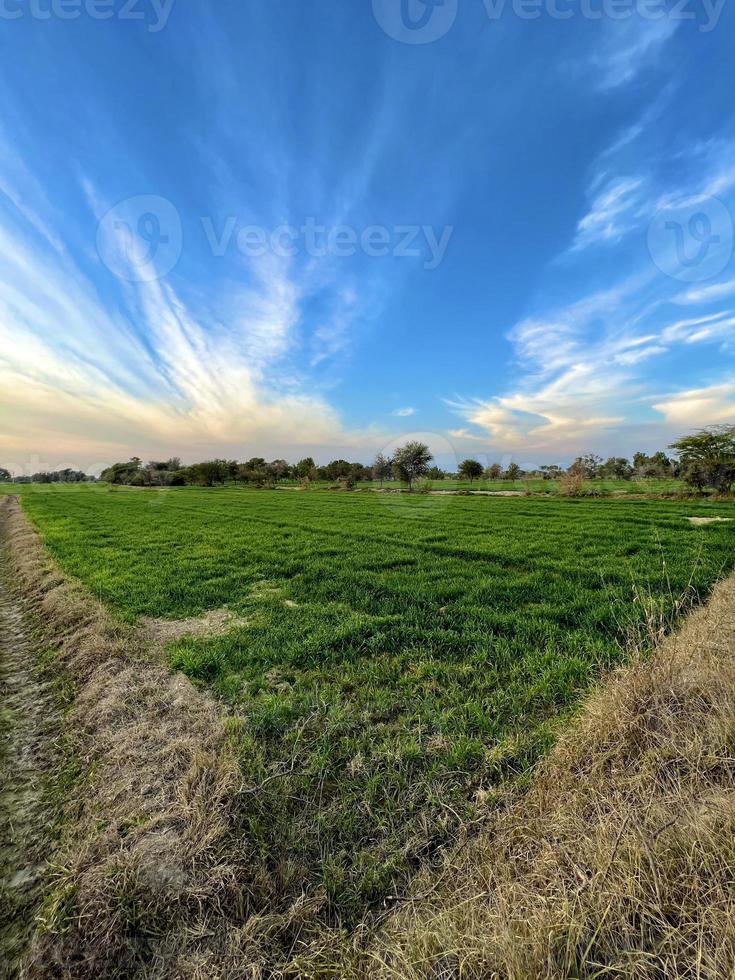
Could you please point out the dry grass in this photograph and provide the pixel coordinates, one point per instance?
(215, 622)
(153, 879)
(619, 862)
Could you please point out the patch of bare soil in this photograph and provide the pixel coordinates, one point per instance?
(215, 622)
(477, 493)
(28, 719)
(709, 520)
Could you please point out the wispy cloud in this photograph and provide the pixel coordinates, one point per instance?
(404, 413)
(629, 47)
(707, 294)
(615, 210)
(156, 374)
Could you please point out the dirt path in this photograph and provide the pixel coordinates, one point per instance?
(27, 718)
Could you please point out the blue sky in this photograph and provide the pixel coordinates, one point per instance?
(303, 226)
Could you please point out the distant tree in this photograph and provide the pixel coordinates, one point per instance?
(657, 466)
(411, 461)
(514, 472)
(436, 473)
(211, 471)
(494, 472)
(552, 472)
(122, 473)
(616, 468)
(60, 476)
(470, 469)
(279, 469)
(337, 469)
(586, 466)
(382, 468)
(708, 458)
(160, 473)
(305, 468)
(5, 475)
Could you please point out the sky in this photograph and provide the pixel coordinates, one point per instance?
(321, 227)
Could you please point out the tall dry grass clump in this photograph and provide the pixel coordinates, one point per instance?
(571, 484)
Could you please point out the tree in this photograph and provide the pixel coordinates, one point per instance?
(5, 475)
(587, 466)
(659, 465)
(410, 461)
(211, 471)
(278, 469)
(338, 469)
(708, 458)
(122, 473)
(436, 473)
(552, 472)
(494, 472)
(382, 468)
(514, 472)
(616, 468)
(161, 473)
(305, 468)
(470, 469)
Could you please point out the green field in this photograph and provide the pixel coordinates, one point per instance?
(401, 655)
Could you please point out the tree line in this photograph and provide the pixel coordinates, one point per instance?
(705, 459)
(57, 476)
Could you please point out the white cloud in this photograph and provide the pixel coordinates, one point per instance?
(638, 354)
(156, 377)
(699, 329)
(613, 212)
(706, 294)
(583, 379)
(628, 47)
(699, 406)
(404, 413)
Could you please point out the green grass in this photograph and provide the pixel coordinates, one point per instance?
(402, 655)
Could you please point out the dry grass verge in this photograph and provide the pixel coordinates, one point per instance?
(619, 862)
(153, 879)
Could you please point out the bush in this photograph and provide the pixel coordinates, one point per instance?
(571, 483)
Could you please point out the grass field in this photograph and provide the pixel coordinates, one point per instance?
(399, 656)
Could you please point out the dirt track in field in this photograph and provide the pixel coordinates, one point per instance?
(27, 719)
